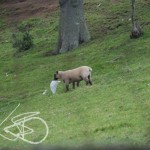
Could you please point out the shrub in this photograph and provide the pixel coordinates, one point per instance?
(22, 40)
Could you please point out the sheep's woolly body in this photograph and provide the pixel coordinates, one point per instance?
(77, 74)
(74, 76)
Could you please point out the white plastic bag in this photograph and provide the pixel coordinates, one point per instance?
(53, 86)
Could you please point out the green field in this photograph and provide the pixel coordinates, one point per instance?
(115, 110)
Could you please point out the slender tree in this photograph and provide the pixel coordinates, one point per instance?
(136, 29)
(72, 26)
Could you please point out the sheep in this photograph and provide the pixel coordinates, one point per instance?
(74, 75)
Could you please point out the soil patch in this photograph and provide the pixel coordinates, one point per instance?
(18, 10)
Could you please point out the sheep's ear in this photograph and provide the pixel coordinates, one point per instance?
(56, 72)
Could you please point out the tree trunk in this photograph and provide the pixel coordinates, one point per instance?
(72, 26)
(136, 30)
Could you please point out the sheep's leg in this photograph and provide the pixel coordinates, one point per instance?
(90, 81)
(67, 87)
(86, 80)
(67, 84)
(73, 85)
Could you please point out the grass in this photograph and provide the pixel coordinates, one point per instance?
(114, 110)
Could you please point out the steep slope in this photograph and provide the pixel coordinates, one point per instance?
(114, 110)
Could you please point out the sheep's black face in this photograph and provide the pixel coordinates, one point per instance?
(56, 76)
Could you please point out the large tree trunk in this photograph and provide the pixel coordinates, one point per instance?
(72, 27)
(136, 30)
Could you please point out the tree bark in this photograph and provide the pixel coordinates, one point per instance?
(72, 26)
(136, 30)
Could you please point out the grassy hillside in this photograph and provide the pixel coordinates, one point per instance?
(116, 109)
